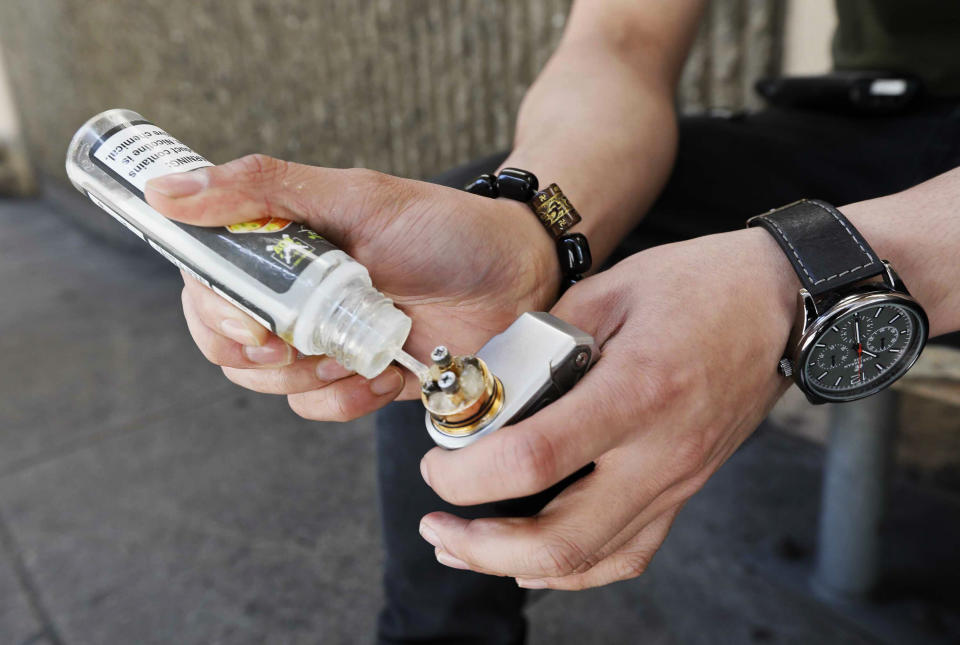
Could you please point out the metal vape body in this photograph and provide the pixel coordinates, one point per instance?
(532, 363)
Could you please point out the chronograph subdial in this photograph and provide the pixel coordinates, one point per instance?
(830, 357)
(854, 330)
(883, 339)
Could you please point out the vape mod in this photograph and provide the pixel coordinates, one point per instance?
(535, 361)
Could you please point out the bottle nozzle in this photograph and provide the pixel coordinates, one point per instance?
(421, 371)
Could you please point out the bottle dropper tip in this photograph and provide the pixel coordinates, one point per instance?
(412, 364)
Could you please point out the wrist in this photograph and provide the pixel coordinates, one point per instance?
(539, 256)
(760, 261)
(578, 186)
(610, 193)
(915, 244)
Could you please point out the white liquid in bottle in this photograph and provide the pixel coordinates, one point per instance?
(286, 276)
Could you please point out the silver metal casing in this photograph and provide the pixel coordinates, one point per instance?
(537, 359)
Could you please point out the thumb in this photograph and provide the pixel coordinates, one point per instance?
(251, 188)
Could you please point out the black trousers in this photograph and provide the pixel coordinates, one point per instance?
(727, 169)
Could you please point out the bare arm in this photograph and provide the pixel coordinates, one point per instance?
(600, 119)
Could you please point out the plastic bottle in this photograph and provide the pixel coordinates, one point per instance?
(286, 276)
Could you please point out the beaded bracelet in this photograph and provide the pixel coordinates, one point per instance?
(551, 207)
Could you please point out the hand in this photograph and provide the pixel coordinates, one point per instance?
(462, 267)
(690, 336)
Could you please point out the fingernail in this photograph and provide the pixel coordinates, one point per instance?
(330, 370)
(446, 559)
(270, 355)
(531, 583)
(429, 535)
(387, 383)
(236, 330)
(181, 184)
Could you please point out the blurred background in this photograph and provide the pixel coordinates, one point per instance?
(144, 499)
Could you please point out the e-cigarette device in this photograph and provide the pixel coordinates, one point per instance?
(532, 363)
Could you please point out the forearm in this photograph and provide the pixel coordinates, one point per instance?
(918, 231)
(600, 119)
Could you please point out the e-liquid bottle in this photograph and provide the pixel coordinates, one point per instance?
(283, 274)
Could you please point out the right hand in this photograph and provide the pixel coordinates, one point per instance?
(462, 267)
(691, 334)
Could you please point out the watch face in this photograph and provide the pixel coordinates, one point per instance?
(863, 350)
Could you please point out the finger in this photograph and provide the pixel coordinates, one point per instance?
(303, 375)
(348, 398)
(667, 503)
(257, 186)
(630, 561)
(595, 516)
(220, 350)
(569, 534)
(672, 497)
(222, 317)
(246, 189)
(541, 450)
(595, 307)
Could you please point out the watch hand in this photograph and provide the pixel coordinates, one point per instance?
(860, 360)
(857, 324)
(870, 354)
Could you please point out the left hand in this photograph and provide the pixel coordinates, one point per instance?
(461, 266)
(690, 335)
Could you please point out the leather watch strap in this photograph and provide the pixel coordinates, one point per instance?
(825, 249)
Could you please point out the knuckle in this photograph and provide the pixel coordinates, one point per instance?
(195, 292)
(301, 407)
(340, 409)
(560, 556)
(630, 566)
(210, 308)
(690, 454)
(320, 405)
(251, 379)
(661, 387)
(260, 168)
(214, 352)
(531, 458)
(575, 583)
(282, 381)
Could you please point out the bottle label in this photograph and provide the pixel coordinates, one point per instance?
(274, 251)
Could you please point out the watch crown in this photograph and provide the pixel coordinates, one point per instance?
(785, 367)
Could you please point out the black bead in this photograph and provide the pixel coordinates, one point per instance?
(517, 184)
(485, 185)
(573, 251)
(568, 281)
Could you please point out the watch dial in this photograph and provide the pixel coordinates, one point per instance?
(863, 351)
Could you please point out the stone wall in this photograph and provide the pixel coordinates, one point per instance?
(16, 175)
(409, 87)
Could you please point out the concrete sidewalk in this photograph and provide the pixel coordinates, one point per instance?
(143, 499)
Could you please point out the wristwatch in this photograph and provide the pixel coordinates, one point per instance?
(858, 329)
